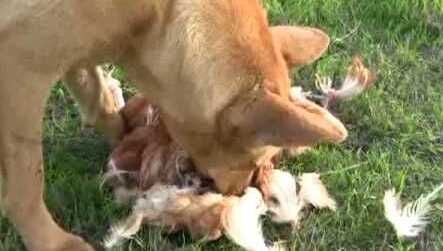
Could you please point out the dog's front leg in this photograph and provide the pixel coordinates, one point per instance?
(98, 106)
(21, 169)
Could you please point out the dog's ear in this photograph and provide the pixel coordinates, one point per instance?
(264, 118)
(300, 45)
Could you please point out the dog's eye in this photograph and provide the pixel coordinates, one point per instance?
(274, 200)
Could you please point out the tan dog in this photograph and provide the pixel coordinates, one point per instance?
(213, 67)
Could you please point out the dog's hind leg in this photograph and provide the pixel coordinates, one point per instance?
(21, 166)
(98, 106)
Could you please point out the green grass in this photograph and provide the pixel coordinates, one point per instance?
(396, 136)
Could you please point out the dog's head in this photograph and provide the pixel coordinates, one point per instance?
(230, 107)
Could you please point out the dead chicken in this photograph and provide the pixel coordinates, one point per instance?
(148, 166)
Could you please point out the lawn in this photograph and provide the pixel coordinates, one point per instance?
(396, 136)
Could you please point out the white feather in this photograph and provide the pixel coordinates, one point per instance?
(411, 220)
(123, 195)
(314, 192)
(243, 225)
(123, 230)
(282, 186)
(297, 93)
(277, 247)
(155, 200)
(111, 172)
(150, 206)
(324, 84)
(350, 88)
